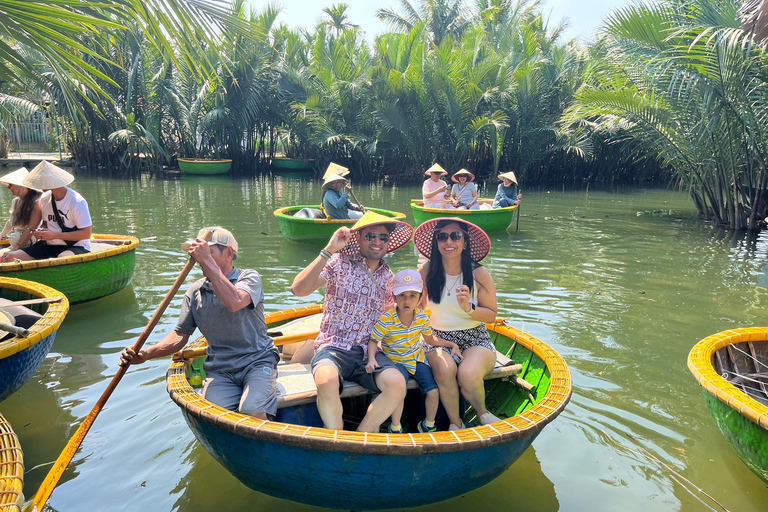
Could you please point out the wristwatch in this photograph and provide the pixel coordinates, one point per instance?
(471, 307)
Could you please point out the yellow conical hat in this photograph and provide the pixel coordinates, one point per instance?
(435, 168)
(510, 176)
(335, 169)
(397, 238)
(47, 176)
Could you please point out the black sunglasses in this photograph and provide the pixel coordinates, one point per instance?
(383, 237)
(455, 236)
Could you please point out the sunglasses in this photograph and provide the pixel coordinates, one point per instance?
(383, 237)
(454, 235)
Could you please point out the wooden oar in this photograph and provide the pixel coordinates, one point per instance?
(357, 200)
(58, 468)
(41, 300)
(517, 222)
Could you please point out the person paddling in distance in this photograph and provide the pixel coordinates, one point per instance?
(464, 192)
(399, 332)
(335, 202)
(25, 213)
(227, 305)
(462, 297)
(434, 191)
(66, 221)
(358, 290)
(507, 193)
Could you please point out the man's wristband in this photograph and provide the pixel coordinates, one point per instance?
(325, 254)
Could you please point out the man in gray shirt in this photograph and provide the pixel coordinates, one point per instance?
(228, 308)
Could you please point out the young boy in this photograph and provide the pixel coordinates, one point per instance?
(398, 330)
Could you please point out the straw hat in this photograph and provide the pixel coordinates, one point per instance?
(435, 168)
(479, 243)
(397, 238)
(463, 172)
(335, 169)
(330, 179)
(16, 178)
(510, 176)
(47, 176)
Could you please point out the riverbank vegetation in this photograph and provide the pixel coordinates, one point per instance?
(668, 92)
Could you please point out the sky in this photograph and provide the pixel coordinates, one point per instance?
(584, 16)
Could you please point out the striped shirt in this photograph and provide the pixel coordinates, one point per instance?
(400, 343)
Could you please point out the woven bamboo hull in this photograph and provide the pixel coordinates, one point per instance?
(497, 219)
(84, 277)
(201, 166)
(742, 420)
(317, 231)
(11, 469)
(292, 165)
(21, 357)
(336, 468)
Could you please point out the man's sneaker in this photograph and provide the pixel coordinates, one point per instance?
(398, 431)
(453, 427)
(488, 418)
(423, 428)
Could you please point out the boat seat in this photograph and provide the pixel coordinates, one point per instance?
(101, 246)
(296, 386)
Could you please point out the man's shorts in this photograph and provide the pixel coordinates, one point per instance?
(351, 365)
(43, 251)
(249, 391)
(423, 376)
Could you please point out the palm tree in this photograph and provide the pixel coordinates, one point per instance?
(339, 21)
(442, 18)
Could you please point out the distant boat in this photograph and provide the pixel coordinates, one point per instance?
(21, 356)
(493, 219)
(732, 366)
(317, 231)
(298, 165)
(295, 459)
(107, 269)
(204, 166)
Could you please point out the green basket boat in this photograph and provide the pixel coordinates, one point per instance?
(203, 166)
(108, 268)
(732, 366)
(11, 468)
(496, 219)
(317, 231)
(292, 165)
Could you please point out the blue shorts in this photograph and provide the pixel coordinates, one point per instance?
(423, 376)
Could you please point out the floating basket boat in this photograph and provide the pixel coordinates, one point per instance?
(317, 231)
(203, 166)
(494, 219)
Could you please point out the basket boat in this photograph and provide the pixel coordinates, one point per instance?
(108, 268)
(11, 468)
(204, 166)
(21, 357)
(317, 231)
(292, 165)
(495, 219)
(335, 468)
(732, 367)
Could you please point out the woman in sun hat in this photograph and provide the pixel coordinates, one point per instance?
(66, 225)
(464, 192)
(434, 190)
(507, 194)
(462, 297)
(24, 213)
(335, 202)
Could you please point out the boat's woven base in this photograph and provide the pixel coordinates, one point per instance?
(11, 469)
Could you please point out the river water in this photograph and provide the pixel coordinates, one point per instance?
(622, 284)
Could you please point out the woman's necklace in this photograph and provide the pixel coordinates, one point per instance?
(458, 279)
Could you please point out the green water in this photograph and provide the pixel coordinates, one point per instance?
(621, 284)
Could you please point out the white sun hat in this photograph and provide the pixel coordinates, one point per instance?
(47, 176)
(16, 178)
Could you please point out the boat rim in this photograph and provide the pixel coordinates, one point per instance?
(700, 365)
(283, 213)
(522, 425)
(11, 465)
(203, 160)
(75, 258)
(417, 204)
(44, 327)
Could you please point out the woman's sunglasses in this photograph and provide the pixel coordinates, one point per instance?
(383, 237)
(454, 235)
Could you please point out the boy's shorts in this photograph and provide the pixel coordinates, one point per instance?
(43, 251)
(351, 365)
(423, 376)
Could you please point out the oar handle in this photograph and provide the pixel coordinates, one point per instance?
(58, 468)
(357, 200)
(18, 331)
(42, 300)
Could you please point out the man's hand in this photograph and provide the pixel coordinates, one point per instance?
(129, 357)
(339, 240)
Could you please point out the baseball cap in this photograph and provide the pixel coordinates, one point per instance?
(219, 236)
(407, 280)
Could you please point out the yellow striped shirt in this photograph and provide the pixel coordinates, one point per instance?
(400, 343)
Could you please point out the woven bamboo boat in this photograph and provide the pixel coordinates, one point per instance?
(11, 469)
(20, 357)
(204, 166)
(288, 165)
(336, 468)
(495, 219)
(732, 366)
(317, 231)
(108, 268)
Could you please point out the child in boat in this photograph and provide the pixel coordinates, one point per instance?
(398, 330)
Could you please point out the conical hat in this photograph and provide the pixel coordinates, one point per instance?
(510, 176)
(335, 169)
(16, 177)
(397, 238)
(463, 172)
(47, 176)
(333, 177)
(435, 168)
(479, 243)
